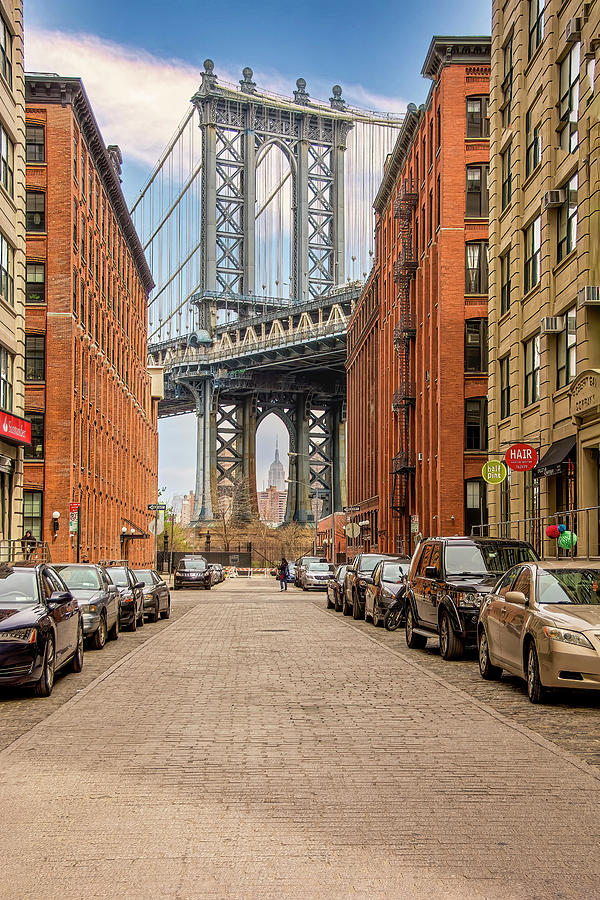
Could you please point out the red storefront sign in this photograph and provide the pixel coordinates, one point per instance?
(15, 430)
(521, 457)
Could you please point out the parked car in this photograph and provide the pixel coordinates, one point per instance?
(157, 597)
(131, 597)
(299, 566)
(334, 588)
(41, 630)
(98, 600)
(389, 576)
(218, 572)
(315, 576)
(542, 623)
(358, 575)
(192, 572)
(448, 580)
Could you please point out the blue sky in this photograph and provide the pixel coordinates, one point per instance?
(140, 62)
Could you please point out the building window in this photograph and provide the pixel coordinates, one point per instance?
(82, 303)
(506, 178)
(567, 221)
(7, 255)
(532, 370)
(476, 345)
(531, 486)
(5, 51)
(35, 144)
(476, 423)
(532, 135)
(36, 211)
(75, 157)
(7, 158)
(569, 99)
(83, 239)
(90, 314)
(505, 283)
(439, 202)
(75, 292)
(431, 214)
(32, 513)
(35, 357)
(536, 25)
(477, 191)
(566, 350)
(424, 159)
(507, 85)
(75, 218)
(505, 387)
(475, 504)
(6, 379)
(439, 128)
(431, 143)
(423, 226)
(36, 450)
(533, 242)
(476, 269)
(82, 172)
(478, 122)
(35, 285)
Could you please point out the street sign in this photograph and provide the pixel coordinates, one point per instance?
(494, 471)
(414, 524)
(161, 507)
(351, 509)
(521, 457)
(352, 530)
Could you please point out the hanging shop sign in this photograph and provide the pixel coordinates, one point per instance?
(14, 429)
(494, 471)
(74, 518)
(521, 457)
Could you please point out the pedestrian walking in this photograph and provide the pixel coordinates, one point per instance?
(283, 574)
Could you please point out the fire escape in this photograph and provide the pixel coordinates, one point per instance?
(403, 464)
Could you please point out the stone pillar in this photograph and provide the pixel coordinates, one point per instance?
(209, 200)
(249, 250)
(301, 248)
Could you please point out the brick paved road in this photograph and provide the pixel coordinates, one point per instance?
(259, 747)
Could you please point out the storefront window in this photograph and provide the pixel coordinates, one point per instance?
(6, 380)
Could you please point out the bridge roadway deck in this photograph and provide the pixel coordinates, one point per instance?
(258, 747)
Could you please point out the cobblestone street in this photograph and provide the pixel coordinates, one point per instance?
(258, 746)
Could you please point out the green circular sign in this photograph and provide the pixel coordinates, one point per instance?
(494, 471)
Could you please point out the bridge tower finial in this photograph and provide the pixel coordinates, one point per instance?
(247, 85)
(336, 101)
(209, 79)
(300, 95)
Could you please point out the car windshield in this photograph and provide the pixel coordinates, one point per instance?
(320, 567)
(118, 576)
(368, 563)
(579, 586)
(144, 575)
(393, 571)
(306, 560)
(84, 578)
(194, 565)
(18, 587)
(489, 558)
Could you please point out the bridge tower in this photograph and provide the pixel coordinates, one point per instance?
(239, 126)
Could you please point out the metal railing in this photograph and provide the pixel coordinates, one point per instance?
(22, 549)
(584, 523)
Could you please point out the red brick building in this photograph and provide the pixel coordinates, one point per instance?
(430, 390)
(89, 395)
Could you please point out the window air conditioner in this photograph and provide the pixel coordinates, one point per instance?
(573, 30)
(554, 199)
(552, 324)
(589, 296)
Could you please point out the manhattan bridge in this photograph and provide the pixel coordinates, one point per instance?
(257, 225)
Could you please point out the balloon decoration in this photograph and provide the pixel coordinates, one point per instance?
(553, 531)
(567, 540)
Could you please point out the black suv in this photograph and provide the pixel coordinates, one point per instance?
(448, 579)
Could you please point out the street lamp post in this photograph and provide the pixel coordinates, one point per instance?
(329, 464)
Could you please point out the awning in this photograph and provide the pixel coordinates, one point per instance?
(552, 460)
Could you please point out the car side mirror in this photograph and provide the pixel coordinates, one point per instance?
(431, 572)
(58, 597)
(138, 585)
(112, 589)
(517, 597)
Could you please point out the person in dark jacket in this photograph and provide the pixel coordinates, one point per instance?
(283, 573)
(28, 543)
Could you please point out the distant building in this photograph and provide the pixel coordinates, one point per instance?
(187, 509)
(277, 472)
(176, 504)
(272, 505)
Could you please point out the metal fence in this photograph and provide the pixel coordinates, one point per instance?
(23, 549)
(582, 524)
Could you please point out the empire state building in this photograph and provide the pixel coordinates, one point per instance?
(277, 472)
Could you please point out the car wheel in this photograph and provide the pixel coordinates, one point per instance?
(337, 605)
(141, 620)
(156, 613)
(99, 639)
(376, 620)
(535, 688)
(451, 645)
(134, 624)
(345, 608)
(113, 634)
(330, 605)
(413, 641)
(166, 614)
(356, 610)
(77, 661)
(486, 668)
(43, 687)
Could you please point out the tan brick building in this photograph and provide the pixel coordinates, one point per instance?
(89, 396)
(12, 271)
(417, 367)
(544, 313)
